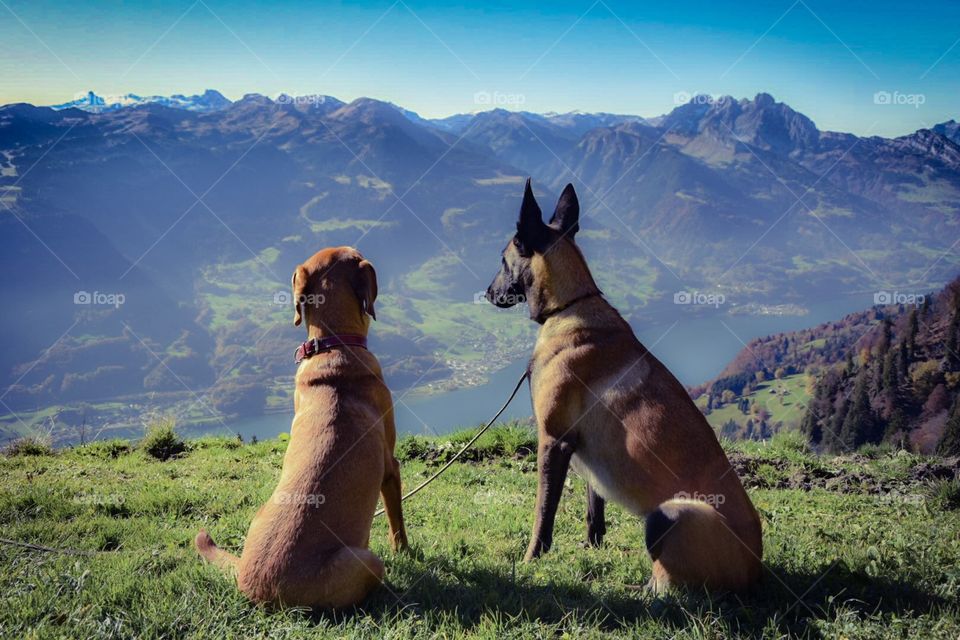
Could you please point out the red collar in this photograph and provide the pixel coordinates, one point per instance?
(313, 346)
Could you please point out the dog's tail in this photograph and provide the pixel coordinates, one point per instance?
(694, 545)
(214, 554)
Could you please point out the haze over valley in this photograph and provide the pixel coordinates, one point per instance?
(149, 241)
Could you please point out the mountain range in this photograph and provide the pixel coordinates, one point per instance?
(196, 210)
(90, 102)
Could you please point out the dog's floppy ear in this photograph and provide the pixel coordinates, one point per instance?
(566, 217)
(531, 232)
(298, 283)
(365, 287)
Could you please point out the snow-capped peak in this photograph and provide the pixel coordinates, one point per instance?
(210, 100)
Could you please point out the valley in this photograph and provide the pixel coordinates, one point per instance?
(196, 210)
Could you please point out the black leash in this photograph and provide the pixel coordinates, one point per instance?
(466, 446)
(39, 547)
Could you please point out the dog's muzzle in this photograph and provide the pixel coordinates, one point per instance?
(506, 300)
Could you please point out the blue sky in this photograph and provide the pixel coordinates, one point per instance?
(826, 59)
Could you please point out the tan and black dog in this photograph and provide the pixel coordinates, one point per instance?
(605, 405)
(307, 546)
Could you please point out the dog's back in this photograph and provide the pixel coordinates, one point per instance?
(643, 443)
(328, 488)
(605, 405)
(307, 545)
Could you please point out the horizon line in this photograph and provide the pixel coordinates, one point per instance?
(691, 97)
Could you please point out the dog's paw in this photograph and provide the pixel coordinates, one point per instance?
(399, 543)
(534, 552)
(590, 544)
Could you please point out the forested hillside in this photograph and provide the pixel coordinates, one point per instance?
(890, 374)
(766, 387)
(900, 385)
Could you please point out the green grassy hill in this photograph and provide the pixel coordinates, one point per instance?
(856, 547)
(784, 400)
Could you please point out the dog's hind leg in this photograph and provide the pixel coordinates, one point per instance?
(343, 578)
(692, 545)
(596, 524)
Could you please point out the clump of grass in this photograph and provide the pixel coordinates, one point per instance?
(410, 448)
(217, 442)
(161, 440)
(515, 438)
(790, 441)
(946, 495)
(769, 476)
(104, 449)
(875, 451)
(29, 446)
(508, 440)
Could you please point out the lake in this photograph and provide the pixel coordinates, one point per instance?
(694, 346)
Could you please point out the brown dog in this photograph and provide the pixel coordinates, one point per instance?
(307, 546)
(604, 403)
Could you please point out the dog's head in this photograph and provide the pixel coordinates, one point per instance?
(334, 291)
(542, 265)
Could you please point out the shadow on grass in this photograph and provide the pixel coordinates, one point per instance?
(790, 602)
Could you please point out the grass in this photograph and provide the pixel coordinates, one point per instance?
(852, 564)
(629, 283)
(161, 440)
(785, 400)
(29, 446)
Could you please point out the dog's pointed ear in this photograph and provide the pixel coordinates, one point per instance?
(298, 284)
(531, 231)
(365, 287)
(566, 217)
